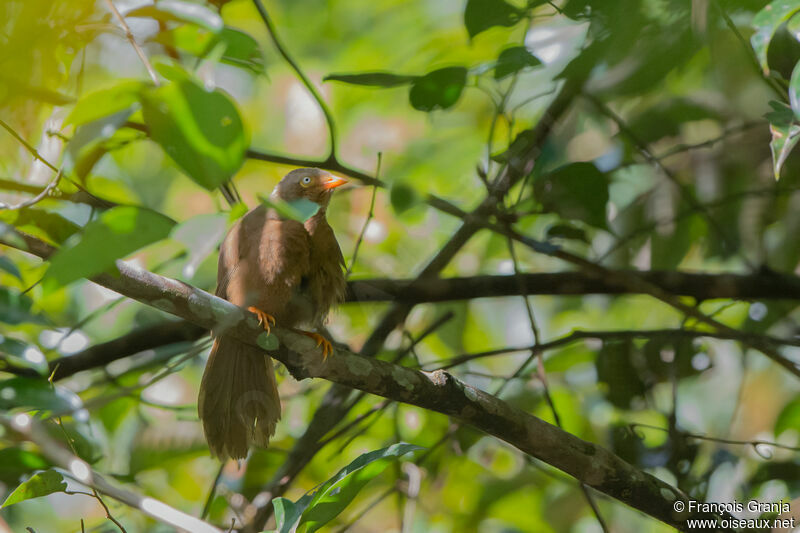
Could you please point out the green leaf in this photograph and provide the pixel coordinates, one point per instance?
(9, 234)
(200, 130)
(576, 191)
(372, 79)
(15, 308)
(41, 484)
(87, 146)
(105, 102)
(51, 226)
(116, 233)
(315, 510)
(789, 417)
(439, 89)
(794, 91)
(200, 235)
(665, 119)
(480, 15)
(18, 354)
(785, 134)
(566, 231)
(766, 23)
(287, 513)
(403, 197)
(37, 394)
(300, 210)
(240, 49)
(667, 250)
(616, 368)
(15, 462)
(178, 11)
(513, 60)
(8, 265)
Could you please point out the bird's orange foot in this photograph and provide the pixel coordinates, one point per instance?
(327, 347)
(265, 320)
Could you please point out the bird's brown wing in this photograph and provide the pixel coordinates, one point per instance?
(262, 262)
(326, 279)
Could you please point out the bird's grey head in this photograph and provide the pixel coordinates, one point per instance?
(312, 184)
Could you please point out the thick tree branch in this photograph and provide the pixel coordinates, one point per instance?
(436, 391)
(761, 286)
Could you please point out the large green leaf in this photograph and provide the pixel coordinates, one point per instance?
(439, 89)
(179, 11)
(785, 134)
(41, 484)
(37, 394)
(104, 102)
(200, 130)
(480, 15)
(313, 511)
(577, 191)
(766, 23)
(114, 234)
(372, 79)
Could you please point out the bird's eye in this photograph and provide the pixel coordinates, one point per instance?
(305, 181)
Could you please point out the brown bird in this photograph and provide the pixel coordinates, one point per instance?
(286, 272)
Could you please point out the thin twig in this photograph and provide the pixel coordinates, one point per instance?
(300, 74)
(35, 153)
(36, 199)
(751, 55)
(753, 443)
(367, 221)
(212, 492)
(94, 493)
(645, 151)
(129, 35)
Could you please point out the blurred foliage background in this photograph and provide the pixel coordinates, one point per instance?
(669, 159)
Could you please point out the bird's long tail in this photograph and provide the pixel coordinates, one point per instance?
(238, 403)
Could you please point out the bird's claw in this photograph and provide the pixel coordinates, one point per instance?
(327, 347)
(265, 320)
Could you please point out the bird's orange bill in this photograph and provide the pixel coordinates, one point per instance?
(333, 181)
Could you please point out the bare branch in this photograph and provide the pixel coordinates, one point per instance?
(36, 199)
(129, 35)
(436, 391)
(761, 286)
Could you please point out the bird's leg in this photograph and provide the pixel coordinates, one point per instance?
(327, 347)
(265, 320)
